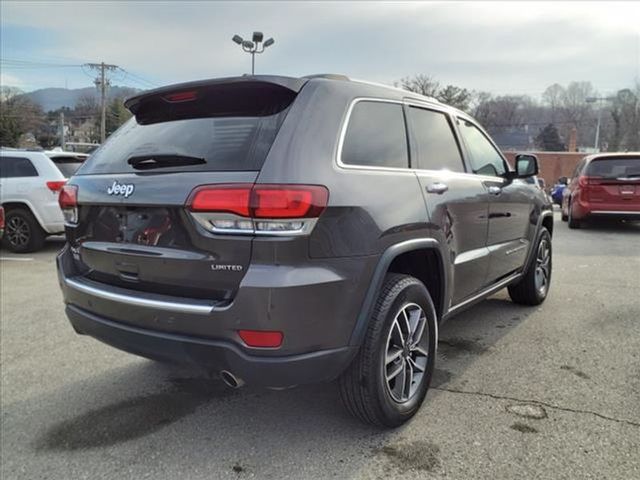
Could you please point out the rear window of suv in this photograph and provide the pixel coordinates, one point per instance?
(226, 128)
(614, 168)
(68, 165)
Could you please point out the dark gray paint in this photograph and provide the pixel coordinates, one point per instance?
(319, 289)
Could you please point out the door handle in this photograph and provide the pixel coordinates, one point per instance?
(494, 190)
(437, 187)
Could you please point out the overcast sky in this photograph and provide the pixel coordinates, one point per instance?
(499, 47)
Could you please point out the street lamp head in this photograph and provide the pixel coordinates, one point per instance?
(257, 37)
(269, 42)
(237, 39)
(248, 44)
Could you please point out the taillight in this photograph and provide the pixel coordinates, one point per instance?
(262, 209)
(222, 198)
(56, 186)
(291, 201)
(68, 201)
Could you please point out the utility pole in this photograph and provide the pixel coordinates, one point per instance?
(102, 82)
(62, 139)
(598, 100)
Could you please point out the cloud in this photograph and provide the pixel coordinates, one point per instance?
(7, 80)
(482, 45)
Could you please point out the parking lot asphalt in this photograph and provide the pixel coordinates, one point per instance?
(519, 392)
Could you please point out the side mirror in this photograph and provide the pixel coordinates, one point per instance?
(526, 165)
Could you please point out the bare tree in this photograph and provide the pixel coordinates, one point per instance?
(455, 96)
(625, 113)
(574, 102)
(422, 84)
(552, 97)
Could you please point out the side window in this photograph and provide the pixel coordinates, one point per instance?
(376, 136)
(12, 167)
(435, 142)
(485, 159)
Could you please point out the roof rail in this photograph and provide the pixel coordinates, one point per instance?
(329, 76)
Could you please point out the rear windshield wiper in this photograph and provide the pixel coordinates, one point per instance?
(147, 162)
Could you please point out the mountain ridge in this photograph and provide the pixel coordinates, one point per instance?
(54, 98)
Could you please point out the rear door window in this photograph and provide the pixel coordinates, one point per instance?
(226, 128)
(376, 136)
(435, 142)
(16, 167)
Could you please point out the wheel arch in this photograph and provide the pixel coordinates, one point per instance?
(420, 258)
(12, 205)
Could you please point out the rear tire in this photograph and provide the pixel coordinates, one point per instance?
(533, 288)
(22, 232)
(388, 379)
(572, 222)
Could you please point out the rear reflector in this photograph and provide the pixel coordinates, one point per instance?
(261, 339)
(56, 186)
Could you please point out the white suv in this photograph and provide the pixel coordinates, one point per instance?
(30, 182)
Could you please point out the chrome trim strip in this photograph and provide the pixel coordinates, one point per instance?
(487, 291)
(441, 108)
(203, 219)
(615, 212)
(470, 255)
(137, 301)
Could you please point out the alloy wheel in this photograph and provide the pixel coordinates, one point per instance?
(18, 231)
(543, 267)
(406, 353)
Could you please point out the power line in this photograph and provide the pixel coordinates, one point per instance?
(138, 79)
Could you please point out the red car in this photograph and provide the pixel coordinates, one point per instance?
(603, 185)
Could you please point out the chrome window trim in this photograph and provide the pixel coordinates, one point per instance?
(343, 134)
(410, 102)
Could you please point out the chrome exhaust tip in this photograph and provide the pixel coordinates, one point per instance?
(230, 379)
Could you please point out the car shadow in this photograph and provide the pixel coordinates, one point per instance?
(52, 244)
(605, 225)
(184, 409)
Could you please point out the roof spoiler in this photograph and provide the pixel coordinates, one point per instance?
(289, 83)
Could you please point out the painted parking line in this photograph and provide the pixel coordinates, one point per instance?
(17, 259)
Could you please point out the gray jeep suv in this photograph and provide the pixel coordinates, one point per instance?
(280, 231)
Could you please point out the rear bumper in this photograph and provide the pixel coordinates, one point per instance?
(583, 209)
(212, 355)
(618, 214)
(315, 309)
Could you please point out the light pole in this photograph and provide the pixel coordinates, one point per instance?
(594, 100)
(253, 46)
